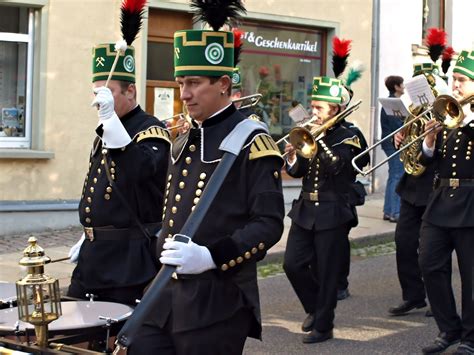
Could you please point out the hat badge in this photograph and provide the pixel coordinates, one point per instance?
(214, 53)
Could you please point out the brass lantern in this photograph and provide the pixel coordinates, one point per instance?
(39, 300)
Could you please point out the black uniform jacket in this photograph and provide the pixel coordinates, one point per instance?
(243, 222)
(416, 190)
(328, 177)
(451, 206)
(139, 173)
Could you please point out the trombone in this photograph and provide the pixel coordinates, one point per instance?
(253, 100)
(446, 110)
(305, 140)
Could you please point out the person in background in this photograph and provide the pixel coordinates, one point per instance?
(391, 208)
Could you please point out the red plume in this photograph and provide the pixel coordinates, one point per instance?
(131, 18)
(436, 41)
(238, 34)
(446, 58)
(133, 6)
(340, 51)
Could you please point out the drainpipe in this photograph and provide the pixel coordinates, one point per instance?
(375, 72)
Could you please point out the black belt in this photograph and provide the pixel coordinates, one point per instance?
(317, 195)
(443, 182)
(112, 233)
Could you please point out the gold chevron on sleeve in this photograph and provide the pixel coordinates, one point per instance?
(153, 132)
(263, 146)
(354, 141)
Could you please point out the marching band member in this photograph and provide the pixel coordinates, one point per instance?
(322, 215)
(212, 304)
(123, 190)
(448, 221)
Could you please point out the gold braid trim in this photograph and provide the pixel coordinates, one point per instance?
(153, 132)
(352, 141)
(263, 146)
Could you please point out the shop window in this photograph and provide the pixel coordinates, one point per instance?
(280, 62)
(16, 63)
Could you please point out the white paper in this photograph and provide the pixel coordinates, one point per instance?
(298, 113)
(419, 91)
(164, 100)
(394, 106)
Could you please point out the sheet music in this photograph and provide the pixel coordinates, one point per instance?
(298, 113)
(419, 91)
(394, 106)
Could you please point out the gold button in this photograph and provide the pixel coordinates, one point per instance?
(167, 193)
(275, 174)
(201, 184)
(458, 140)
(169, 177)
(88, 220)
(102, 161)
(454, 173)
(192, 148)
(87, 209)
(232, 263)
(99, 171)
(164, 209)
(247, 255)
(107, 196)
(198, 192)
(89, 199)
(254, 250)
(459, 133)
(113, 163)
(454, 165)
(188, 160)
(104, 151)
(108, 189)
(91, 189)
(166, 201)
(171, 223)
(95, 180)
(185, 172)
(316, 203)
(192, 208)
(196, 200)
(261, 246)
(177, 198)
(113, 177)
(456, 148)
(202, 176)
(468, 157)
(112, 170)
(90, 164)
(174, 209)
(181, 185)
(239, 260)
(451, 195)
(168, 185)
(224, 267)
(454, 156)
(163, 216)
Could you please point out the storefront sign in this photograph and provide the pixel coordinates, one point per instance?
(276, 42)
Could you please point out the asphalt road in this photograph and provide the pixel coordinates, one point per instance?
(362, 324)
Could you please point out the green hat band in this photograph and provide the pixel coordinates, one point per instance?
(103, 56)
(428, 68)
(208, 53)
(465, 64)
(327, 89)
(236, 79)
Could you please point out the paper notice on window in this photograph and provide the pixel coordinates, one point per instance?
(394, 106)
(298, 113)
(164, 100)
(419, 91)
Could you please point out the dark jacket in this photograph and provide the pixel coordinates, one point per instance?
(329, 175)
(389, 124)
(139, 173)
(243, 222)
(451, 206)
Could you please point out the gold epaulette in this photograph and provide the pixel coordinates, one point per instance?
(352, 141)
(263, 146)
(254, 117)
(153, 132)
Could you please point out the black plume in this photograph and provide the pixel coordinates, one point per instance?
(131, 19)
(217, 12)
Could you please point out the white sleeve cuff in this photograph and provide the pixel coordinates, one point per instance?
(115, 135)
(429, 152)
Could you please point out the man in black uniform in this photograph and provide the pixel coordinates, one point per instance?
(414, 190)
(212, 304)
(122, 197)
(448, 221)
(322, 216)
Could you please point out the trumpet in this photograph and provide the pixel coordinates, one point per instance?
(253, 100)
(446, 110)
(305, 140)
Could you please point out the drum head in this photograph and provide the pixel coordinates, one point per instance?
(76, 315)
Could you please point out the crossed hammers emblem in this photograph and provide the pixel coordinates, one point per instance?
(100, 61)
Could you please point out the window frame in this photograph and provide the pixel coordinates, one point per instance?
(26, 141)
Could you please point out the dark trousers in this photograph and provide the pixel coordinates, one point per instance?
(226, 338)
(313, 262)
(436, 247)
(343, 281)
(407, 241)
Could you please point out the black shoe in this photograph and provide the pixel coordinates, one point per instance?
(308, 323)
(317, 337)
(466, 348)
(429, 313)
(405, 307)
(394, 219)
(342, 294)
(442, 342)
(386, 217)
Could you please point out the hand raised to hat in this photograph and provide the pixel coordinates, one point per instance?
(104, 101)
(190, 258)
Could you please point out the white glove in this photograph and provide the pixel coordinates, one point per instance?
(74, 251)
(104, 101)
(190, 258)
